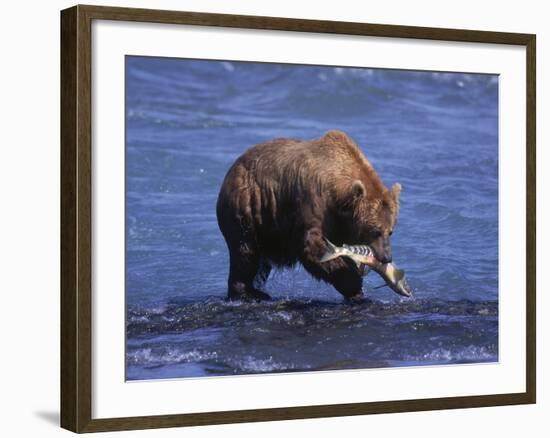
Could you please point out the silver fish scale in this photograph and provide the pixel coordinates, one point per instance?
(363, 250)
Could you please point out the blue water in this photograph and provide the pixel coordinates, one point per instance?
(435, 133)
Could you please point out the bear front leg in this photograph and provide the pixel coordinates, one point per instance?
(337, 272)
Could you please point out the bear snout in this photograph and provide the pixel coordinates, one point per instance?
(382, 251)
(386, 258)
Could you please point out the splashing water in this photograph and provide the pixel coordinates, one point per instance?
(435, 133)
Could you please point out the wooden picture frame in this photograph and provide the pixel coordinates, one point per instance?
(76, 217)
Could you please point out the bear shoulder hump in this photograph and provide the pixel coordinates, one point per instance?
(337, 136)
(340, 141)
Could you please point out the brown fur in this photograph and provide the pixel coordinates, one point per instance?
(280, 198)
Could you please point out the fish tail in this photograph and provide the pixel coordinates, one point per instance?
(331, 253)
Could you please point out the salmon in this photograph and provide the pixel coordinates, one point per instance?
(362, 255)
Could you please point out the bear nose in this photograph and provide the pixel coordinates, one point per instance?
(386, 259)
(386, 255)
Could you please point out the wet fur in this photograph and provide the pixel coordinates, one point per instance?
(280, 198)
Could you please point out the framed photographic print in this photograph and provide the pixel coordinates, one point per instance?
(268, 218)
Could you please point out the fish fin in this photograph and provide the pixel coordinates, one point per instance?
(331, 251)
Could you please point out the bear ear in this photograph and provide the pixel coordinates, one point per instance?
(396, 190)
(358, 190)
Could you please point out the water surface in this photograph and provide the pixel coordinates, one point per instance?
(435, 133)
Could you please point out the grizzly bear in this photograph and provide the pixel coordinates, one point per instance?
(281, 199)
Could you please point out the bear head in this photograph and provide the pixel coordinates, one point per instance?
(375, 216)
